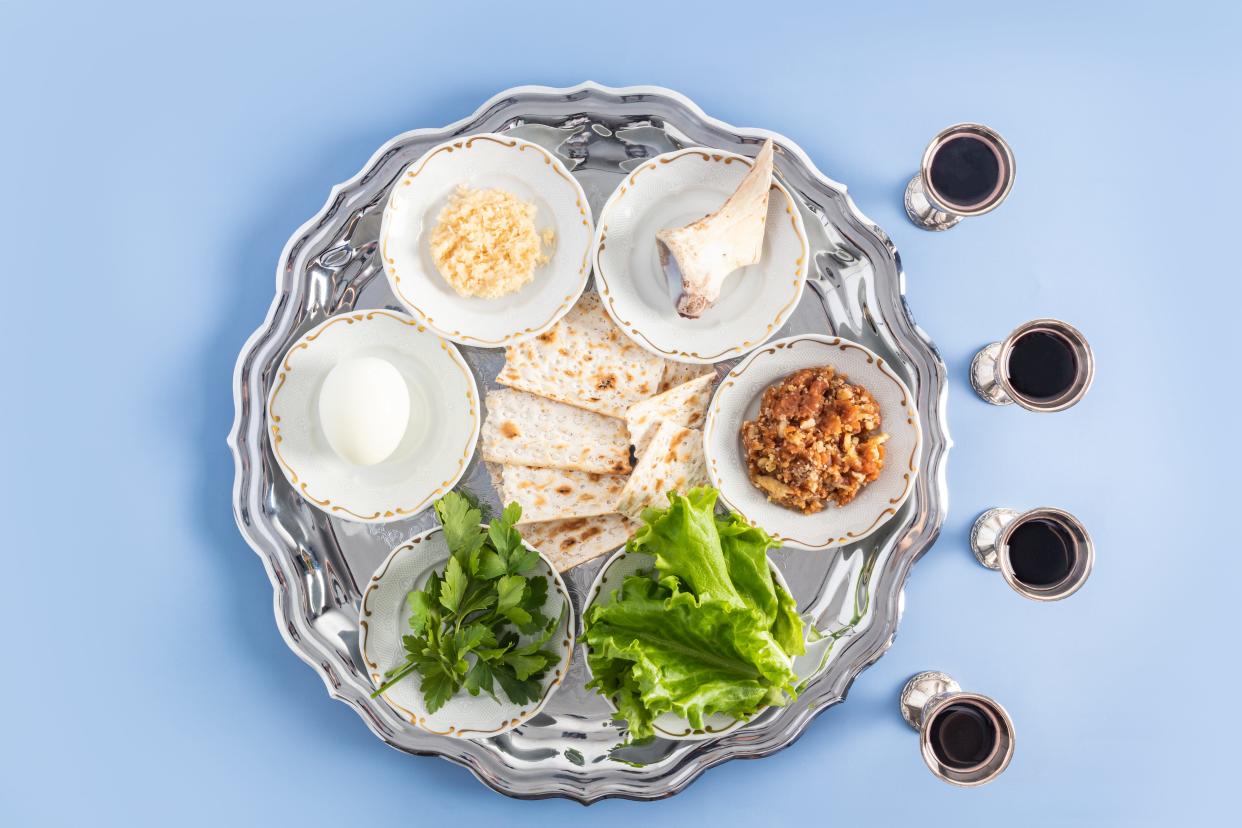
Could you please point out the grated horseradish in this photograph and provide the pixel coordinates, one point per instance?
(485, 243)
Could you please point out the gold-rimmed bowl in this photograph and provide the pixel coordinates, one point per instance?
(438, 442)
(384, 619)
(528, 171)
(625, 563)
(672, 190)
(737, 400)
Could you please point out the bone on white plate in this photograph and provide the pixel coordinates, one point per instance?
(697, 258)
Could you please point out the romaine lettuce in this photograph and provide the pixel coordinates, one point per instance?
(707, 631)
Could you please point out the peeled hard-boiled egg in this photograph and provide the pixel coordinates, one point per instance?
(364, 409)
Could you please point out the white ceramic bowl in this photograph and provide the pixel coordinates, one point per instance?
(668, 725)
(436, 448)
(529, 172)
(384, 619)
(737, 399)
(673, 190)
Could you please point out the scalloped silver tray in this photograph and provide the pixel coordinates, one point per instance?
(317, 563)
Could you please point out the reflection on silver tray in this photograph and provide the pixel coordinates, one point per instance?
(317, 564)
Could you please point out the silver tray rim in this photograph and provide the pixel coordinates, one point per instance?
(888, 594)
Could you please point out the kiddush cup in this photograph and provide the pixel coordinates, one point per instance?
(967, 170)
(966, 738)
(1044, 554)
(1045, 365)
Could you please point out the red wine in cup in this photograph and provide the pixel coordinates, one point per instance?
(1041, 365)
(1041, 553)
(966, 172)
(963, 736)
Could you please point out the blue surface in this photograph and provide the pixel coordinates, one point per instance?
(155, 160)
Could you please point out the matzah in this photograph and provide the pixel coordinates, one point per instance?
(672, 461)
(568, 543)
(532, 431)
(555, 494)
(584, 360)
(679, 373)
(684, 405)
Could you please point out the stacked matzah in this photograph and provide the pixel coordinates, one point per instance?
(558, 438)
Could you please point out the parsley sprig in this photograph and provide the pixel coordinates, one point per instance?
(467, 623)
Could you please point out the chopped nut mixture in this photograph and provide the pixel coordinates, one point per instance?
(816, 439)
(485, 243)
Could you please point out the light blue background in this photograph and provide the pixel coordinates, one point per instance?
(155, 158)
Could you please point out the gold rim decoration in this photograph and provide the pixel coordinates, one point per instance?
(299, 482)
(782, 315)
(909, 474)
(390, 265)
(565, 646)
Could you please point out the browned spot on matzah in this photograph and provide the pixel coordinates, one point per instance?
(675, 442)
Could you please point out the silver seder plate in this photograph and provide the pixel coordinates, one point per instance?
(318, 563)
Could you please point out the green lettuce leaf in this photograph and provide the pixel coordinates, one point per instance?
(707, 631)
(685, 543)
(745, 550)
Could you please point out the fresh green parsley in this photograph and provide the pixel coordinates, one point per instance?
(467, 623)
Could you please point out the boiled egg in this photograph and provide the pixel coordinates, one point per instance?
(364, 409)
